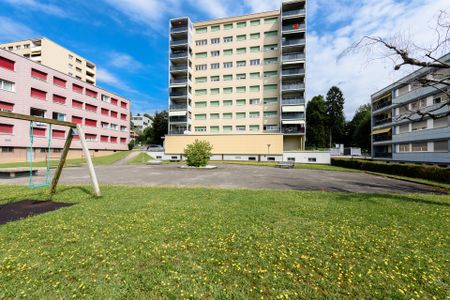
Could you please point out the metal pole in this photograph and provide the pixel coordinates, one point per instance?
(89, 161)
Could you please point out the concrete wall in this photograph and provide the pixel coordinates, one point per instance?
(308, 157)
(21, 155)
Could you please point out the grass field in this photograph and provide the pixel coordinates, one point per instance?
(140, 159)
(105, 160)
(146, 243)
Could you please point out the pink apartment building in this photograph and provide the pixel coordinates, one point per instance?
(30, 88)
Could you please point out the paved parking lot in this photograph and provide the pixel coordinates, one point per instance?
(239, 176)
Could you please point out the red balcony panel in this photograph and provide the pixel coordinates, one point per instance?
(39, 131)
(123, 140)
(76, 137)
(113, 139)
(114, 114)
(123, 116)
(58, 134)
(77, 88)
(90, 122)
(91, 93)
(114, 101)
(90, 136)
(105, 112)
(6, 63)
(5, 106)
(104, 139)
(38, 94)
(59, 99)
(59, 82)
(123, 104)
(6, 128)
(38, 74)
(77, 120)
(77, 104)
(90, 107)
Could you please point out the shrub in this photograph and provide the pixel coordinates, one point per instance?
(198, 153)
(408, 170)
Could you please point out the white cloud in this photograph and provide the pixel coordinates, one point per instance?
(38, 5)
(262, 5)
(124, 61)
(355, 74)
(11, 30)
(112, 80)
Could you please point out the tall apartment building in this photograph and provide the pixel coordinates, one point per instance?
(29, 88)
(239, 82)
(412, 139)
(46, 52)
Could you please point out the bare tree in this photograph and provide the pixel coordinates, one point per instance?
(402, 51)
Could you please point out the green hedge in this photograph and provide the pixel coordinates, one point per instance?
(438, 174)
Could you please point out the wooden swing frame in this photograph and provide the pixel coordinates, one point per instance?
(65, 152)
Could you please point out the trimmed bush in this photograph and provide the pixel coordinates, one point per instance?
(433, 173)
(198, 153)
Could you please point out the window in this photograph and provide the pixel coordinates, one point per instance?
(214, 116)
(270, 100)
(255, 88)
(7, 149)
(215, 91)
(240, 102)
(38, 74)
(201, 42)
(241, 50)
(214, 129)
(215, 78)
(228, 65)
(227, 128)
(6, 128)
(215, 28)
(403, 128)
(240, 115)
(241, 63)
(228, 39)
(5, 106)
(241, 89)
(270, 33)
(228, 90)
(201, 79)
(312, 159)
(105, 98)
(255, 36)
(255, 75)
(268, 74)
(38, 94)
(270, 47)
(200, 92)
(240, 128)
(270, 20)
(201, 67)
(241, 37)
(228, 52)
(90, 107)
(59, 99)
(227, 115)
(215, 66)
(254, 127)
(200, 116)
(441, 146)
(200, 104)
(227, 77)
(419, 147)
(90, 122)
(422, 125)
(241, 24)
(270, 87)
(201, 55)
(77, 120)
(215, 53)
(255, 22)
(437, 100)
(78, 61)
(255, 101)
(254, 114)
(241, 76)
(77, 88)
(227, 102)
(404, 148)
(255, 62)
(90, 93)
(201, 30)
(270, 61)
(7, 85)
(200, 128)
(270, 114)
(7, 63)
(59, 82)
(115, 101)
(26, 46)
(228, 26)
(440, 123)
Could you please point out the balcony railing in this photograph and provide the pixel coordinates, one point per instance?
(380, 105)
(179, 81)
(179, 131)
(178, 68)
(293, 72)
(293, 129)
(294, 27)
(293, 86)
(275, 129)
(382, 137)
(178, 42)
(291, 42)
(293, 56)
(293, 12)
(292, 101)
(382, 121)
(179, 107)
(179, 29)
(179, 54)
(292, 116)
(178, 94)
(178, 120)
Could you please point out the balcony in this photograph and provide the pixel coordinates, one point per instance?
(382, 137)
(293, 101)
(178, 94)
(179, 81)
(293, 129)
(289, 72)
(292, 86)
(292, 116)
(178, 107)
(179, 68)
(294, 12)
(294, 27)
(382, 121)
(174, 120)
(274, 129)
(381, 104)
(179, 54)
(293, 56)
(177, 131)
(382, 155)
(178, 42)
(293, 42)
(179, 29)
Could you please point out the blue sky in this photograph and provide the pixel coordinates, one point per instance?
(127, 39)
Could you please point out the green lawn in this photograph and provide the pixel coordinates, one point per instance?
(147, 243)
(105, 160)
(140, 159)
